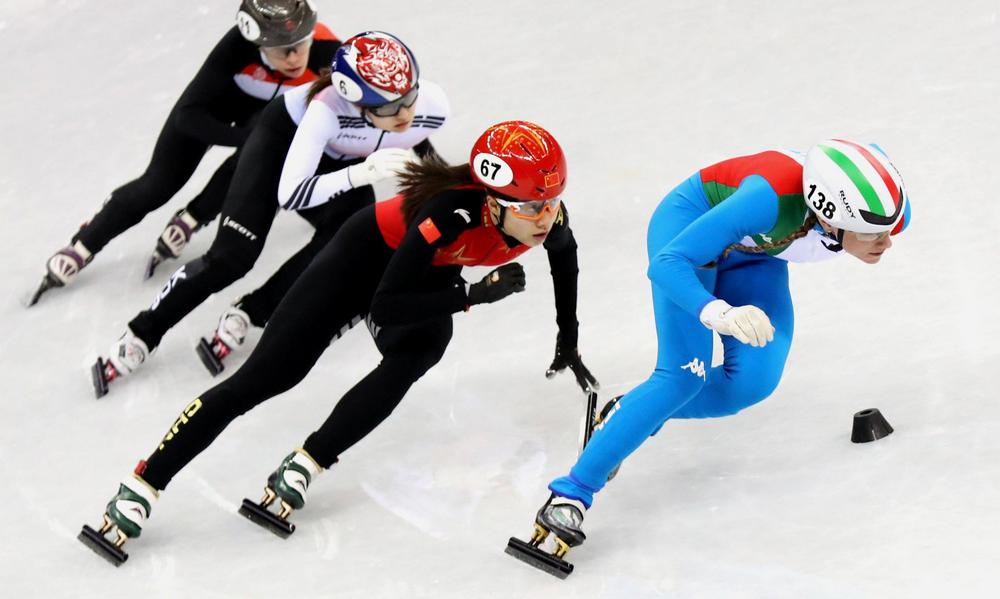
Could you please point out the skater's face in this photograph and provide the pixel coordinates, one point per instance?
(398, 122)
(531, 232)
(290, 61)
(864, 248)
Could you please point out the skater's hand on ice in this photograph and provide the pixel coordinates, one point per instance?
(500, 283)
(748, 324)
(570, 356)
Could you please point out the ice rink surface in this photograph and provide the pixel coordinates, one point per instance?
(774, 502)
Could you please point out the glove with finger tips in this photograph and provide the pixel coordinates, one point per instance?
(501, 282)
(748, 324)
(380, 164)
(570, 356)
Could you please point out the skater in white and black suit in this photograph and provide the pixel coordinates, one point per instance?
(275, 46)
(316, 151)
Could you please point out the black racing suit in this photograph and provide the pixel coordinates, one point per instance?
(409, 291)
(212, 111)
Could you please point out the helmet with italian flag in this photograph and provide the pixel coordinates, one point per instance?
(520, 161)
(854, 187)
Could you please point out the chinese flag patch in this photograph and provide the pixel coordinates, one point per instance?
(429, 230)
(552, 179)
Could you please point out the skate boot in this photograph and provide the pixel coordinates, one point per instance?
(288, 484)
(125, 513)
(234, 324)
(173, 240)
(126, 354)
(61, 269)
(562, 518)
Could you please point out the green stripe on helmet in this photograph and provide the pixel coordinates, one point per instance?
(857, 177)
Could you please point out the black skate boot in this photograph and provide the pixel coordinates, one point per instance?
(61, 269)
(562, 518)
(234, 324)
(173, 240)
(125, 514)
(288, 484)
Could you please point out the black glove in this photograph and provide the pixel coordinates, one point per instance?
(570, 356)
(500, 283)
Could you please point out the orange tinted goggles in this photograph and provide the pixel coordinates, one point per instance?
(533, 210)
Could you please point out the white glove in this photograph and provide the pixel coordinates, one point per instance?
(748, 323)
(379, 165)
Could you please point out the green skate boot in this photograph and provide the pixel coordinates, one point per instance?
(125, 515)
(288, 484)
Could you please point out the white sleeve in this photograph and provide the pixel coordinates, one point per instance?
(300, 187)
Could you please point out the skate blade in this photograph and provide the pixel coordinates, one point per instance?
(32, 298)
(208, 357)
(533, 556)
(589, 420)
(102, 546)
(97, 377)
(154, 261)
(261, 516)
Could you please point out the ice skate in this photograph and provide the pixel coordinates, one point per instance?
(126, 354)
(288, 484)
(173, 240)
(124, 516)
(61, 269)
(562, 518)
(234, 324)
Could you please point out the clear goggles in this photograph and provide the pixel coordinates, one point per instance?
(870, 236)
(393, 108)
(286, 51)
(533, 210)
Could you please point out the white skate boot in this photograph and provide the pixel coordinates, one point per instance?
(61, 269)
(126, 355)
(234, 324)
(173, 240)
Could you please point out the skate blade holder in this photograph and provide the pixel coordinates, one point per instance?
(208, 357)
(258, 513)
(99, 378)
(99, 544)
(533, 555)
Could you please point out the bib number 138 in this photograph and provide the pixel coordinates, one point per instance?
(820, 203)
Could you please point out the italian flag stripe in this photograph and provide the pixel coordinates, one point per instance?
(857, 177)
(886, 178)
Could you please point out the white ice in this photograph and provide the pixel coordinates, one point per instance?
(774, 502)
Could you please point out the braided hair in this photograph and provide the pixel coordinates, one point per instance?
(799, 233)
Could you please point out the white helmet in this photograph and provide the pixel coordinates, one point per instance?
(854, 187)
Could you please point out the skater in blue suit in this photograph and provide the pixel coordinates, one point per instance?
(719, 246)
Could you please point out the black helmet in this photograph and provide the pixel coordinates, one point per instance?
(270, 23)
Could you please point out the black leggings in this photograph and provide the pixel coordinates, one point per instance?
(324, 302)
(175, 158)
(247, 215)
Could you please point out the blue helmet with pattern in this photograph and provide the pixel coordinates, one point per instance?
(374, 68)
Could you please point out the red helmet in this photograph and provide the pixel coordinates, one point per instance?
(519, 160)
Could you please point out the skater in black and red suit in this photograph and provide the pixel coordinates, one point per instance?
(275, 45)
(398, 264)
